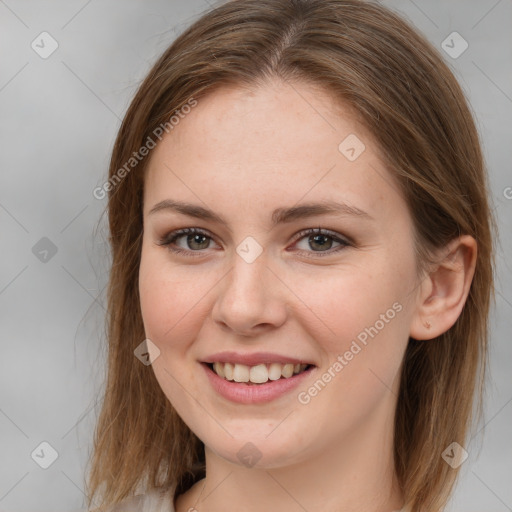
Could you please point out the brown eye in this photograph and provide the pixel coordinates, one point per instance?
(186, 240)
(320, 241)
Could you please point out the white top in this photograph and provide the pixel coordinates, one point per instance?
(154, 501)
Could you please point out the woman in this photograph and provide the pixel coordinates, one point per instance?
(302, 269)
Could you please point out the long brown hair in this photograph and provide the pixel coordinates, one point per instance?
(366, 57)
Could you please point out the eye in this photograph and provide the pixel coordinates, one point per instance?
(195, 240)
(320, 241)
(189, 240)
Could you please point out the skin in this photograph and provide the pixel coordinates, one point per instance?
(243, 153)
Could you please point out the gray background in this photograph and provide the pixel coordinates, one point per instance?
(58, 120)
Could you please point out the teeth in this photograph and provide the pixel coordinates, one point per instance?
(287, 370)
(219, 369)
(274, 371)
(241, 373)
(258, 374)
(228, 371)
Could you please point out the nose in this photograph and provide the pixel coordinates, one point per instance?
(251, 298)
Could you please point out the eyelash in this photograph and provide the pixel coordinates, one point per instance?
(170, 238)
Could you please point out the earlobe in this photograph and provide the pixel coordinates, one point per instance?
(444, 290)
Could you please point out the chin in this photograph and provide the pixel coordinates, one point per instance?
(254, 450)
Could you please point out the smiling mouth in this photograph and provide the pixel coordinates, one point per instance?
(258, 374)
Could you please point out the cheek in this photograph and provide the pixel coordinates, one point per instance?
(162, 301)
(174, 299)
(363, 332)
(349, 300)
(171, 315)
(363, 336)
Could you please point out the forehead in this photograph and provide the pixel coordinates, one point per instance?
(275, 120)
(280, 143)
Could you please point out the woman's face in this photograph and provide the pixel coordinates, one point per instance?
(254, 287)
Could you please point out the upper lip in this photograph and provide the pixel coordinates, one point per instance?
(253, 359)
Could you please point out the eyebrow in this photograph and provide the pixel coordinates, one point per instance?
(279, 215)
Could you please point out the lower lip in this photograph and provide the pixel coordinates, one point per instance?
(243, 393)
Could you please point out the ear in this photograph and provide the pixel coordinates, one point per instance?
(444, 290)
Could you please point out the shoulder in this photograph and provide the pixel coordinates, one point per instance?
(153, 501)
